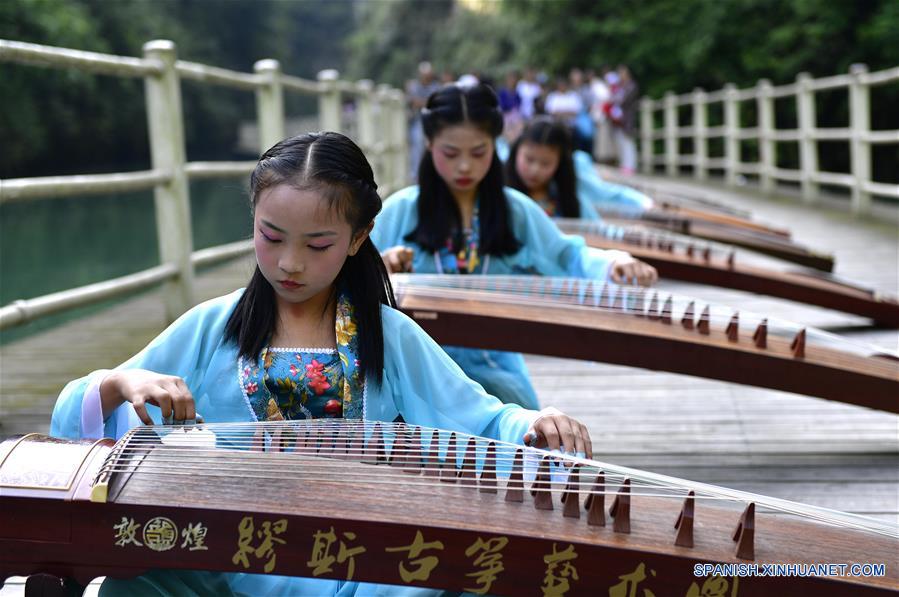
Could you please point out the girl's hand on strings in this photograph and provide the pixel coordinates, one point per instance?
(557, 431)
(629, 270)
(140, 387)
(398, 259)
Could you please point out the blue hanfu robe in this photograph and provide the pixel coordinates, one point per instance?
(545, 250)
(588, 212)
(606, 195)
(420, 383)
(592, 191)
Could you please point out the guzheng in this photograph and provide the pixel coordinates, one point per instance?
(668, 204)
(681, 258)
(418, 506)
(576, 318)
(756, 237)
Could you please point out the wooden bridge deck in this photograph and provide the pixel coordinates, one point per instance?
(774, 443)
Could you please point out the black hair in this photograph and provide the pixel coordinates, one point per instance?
(438, 215)
(335, 167)
(544, 130)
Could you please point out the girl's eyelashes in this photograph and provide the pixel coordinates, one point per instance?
(270, 239)
(321, 248)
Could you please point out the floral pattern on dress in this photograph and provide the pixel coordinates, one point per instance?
(302, 384)
(352, 385)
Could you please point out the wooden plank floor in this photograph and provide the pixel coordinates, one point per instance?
(774, 443)
(794, 447)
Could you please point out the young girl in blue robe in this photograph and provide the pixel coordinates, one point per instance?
(593, 193)
(314, 334)
(460, 219)
(543, 165)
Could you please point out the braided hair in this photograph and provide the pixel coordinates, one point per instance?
(333, 166)
(544, 130)
(438, 215)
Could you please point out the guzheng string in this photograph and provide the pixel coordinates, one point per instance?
(576, 293)
(322, 449)
(682, 244)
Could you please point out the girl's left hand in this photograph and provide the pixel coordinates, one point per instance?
(628, 269)
(553, 429)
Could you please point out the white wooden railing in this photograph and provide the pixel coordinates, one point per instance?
(381, 132)
(859, 135)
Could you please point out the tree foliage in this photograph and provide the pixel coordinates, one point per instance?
(63, 121)
(681, 44)
(59, 122)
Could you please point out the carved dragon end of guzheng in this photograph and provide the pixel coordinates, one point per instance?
(419, 507)
(574, 318)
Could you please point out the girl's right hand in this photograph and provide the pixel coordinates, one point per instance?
(139, 387)
(398, 259)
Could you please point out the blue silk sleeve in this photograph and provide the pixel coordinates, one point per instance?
(184, 349)
(428, 388)
(549, 251)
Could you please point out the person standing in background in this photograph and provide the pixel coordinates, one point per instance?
(583, 124)
(564, 103)
(528, 90)
(625, 98)
(510, 104)
(603, 145)
(418, 90)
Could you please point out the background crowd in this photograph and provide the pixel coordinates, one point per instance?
(598, 105)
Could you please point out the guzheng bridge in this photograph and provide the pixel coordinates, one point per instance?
(838, 453)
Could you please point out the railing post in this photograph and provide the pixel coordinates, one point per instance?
(400, 135)
(860, 126)
(731, 134)
(385, 117)
(646, 135)
(328, 100)
(165, 124)
(269, 104)
(670, 134)
(700, 124)
(808, 145)
(365, 116)
(767, 157)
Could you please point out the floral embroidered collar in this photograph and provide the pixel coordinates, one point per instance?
(252, 375)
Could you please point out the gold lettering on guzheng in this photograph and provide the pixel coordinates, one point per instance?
(160, 534)
(322, 559)
(489, 562)
(266, 548)
(126, 532)
(630, 583)
(559, 570)
(424, 565)
(716, 586)
(194, 536)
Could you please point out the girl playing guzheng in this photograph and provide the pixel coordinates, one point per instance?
(312, 335)
(460, 219)
(541, 165)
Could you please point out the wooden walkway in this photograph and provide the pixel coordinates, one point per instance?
(785, 445)
(769, 442)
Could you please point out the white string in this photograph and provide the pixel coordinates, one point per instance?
(170, 447)
(579, 293)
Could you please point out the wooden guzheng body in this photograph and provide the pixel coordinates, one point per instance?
(676, 258)
(726, 227)
(575, 318)
(410, 505)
